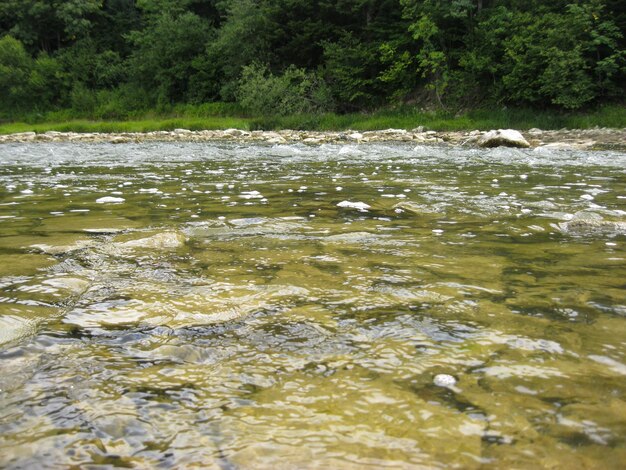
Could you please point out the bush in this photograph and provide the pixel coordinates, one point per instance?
(83, 100)
(294, 92)
(123, 102)
(15, 69)
(208, 110)
(28, 84)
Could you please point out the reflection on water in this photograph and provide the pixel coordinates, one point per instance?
(179, 305)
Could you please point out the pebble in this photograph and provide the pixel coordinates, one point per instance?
(444, 380)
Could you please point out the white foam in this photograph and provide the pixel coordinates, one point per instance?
(251, 195)
(361, 206)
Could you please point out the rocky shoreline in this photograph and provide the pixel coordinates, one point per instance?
(587, 139)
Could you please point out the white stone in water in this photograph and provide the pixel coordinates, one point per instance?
(444, 380)
(354, 205)
(503, 137)
(110, 199)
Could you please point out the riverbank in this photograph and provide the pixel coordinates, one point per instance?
(587, 139)
(220, 116)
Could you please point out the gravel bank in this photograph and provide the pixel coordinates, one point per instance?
(588, 139)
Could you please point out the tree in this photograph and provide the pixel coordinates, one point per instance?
(568, 58)
(245, 37)
(164, 53)
(15, 68)
(48, 25)
(27, 84)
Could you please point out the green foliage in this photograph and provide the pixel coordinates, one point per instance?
(74, 15)
(400, 73)
(351, 73)
(568, 58)
(95, 69)
(432, 60)
(15, 68)
(27, 84)
(191, 117)
(47, 83)
(244, 38)
(295, 91)
(563, 54)
(48, 24)
(161, 62)
(205, 110)
(116, 58)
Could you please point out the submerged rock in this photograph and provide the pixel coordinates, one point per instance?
(503, 138)
(62, 249)
(589, 223)
(352, 237)
(158, 241)
(415, 208)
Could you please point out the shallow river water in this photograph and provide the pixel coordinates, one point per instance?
(242, 307)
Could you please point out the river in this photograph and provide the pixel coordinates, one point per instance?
(238, 306)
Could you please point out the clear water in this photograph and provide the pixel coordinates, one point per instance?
(227, 313)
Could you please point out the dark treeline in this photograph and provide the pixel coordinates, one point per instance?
(113, 58)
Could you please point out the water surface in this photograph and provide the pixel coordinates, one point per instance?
(181, 305)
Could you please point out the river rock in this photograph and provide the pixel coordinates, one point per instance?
(277, 140)
(503, 138)
(415, 208)
(444, 380)
(159, 241)
(592, 224)
(25, 136)
(233, 132)
(62, 249)
(589, 139)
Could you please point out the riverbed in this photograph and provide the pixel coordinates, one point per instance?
(235, 305)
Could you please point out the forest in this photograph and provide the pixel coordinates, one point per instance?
(113, 59)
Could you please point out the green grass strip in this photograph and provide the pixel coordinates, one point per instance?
(196, 118)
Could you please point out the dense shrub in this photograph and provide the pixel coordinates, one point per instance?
(292, 92)
(28, 84)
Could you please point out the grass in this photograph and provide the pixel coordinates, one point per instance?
(143, 125)
(482, 119)
(214, 116)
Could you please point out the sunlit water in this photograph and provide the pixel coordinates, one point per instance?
(180, 305)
